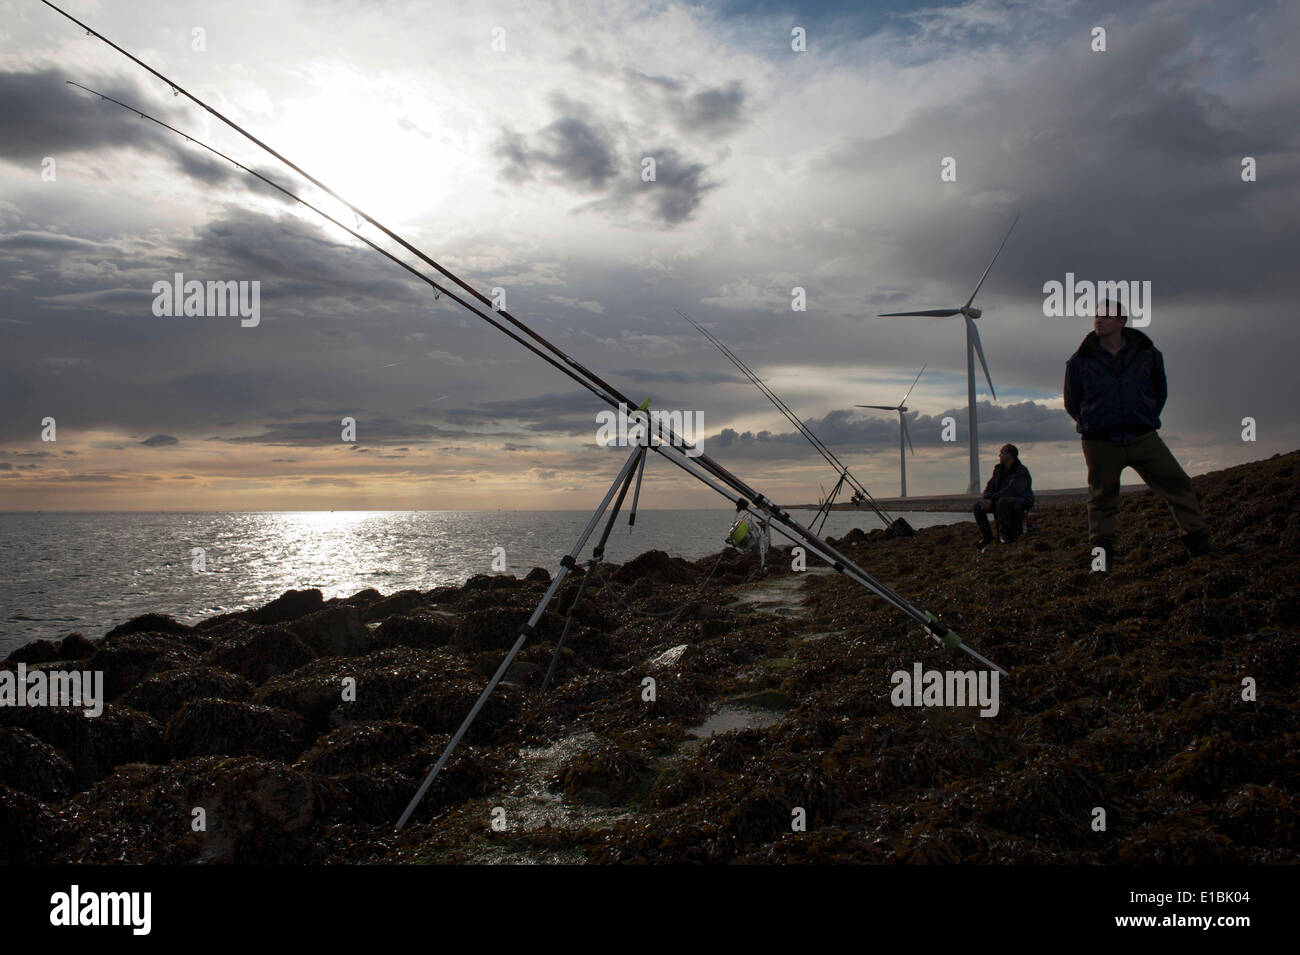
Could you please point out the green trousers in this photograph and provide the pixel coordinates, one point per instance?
(1155, 464)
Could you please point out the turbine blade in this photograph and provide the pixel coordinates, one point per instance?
(881, 407)
(979, 350)
(902, 420)
(991, 261)
(914, 381)
(932, 312)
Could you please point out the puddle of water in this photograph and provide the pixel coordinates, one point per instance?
(730, 718)
(778, 595)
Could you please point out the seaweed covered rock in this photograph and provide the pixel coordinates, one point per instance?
(33, 766)
(607, 771)
(656, 567)
(75, 646)
(162, 694)
(334, 632)
(254, 812)
(421, 631)
(228, 728)
(259, 653)
(359, 747)
(29, 830)
(147, 623)
(93, 744)
(402, 602)
(289, 606)
(126, 660)
(37, 651)
(381, 683)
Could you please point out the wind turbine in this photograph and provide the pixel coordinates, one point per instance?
(901, 408)
(970, 313)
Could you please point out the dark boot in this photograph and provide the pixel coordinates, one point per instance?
(1200, 544)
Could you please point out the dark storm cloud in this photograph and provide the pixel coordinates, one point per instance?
(160, 441)
(582, 154)
(574, 150)
(714, 111)
(40, 115)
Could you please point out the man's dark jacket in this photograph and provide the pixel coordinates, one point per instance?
(1116, 397)
(1014, 484)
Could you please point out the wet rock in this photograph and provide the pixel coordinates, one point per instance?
(257, 813)
(499, 628)
(335, 632)
(608, 769)
(147, 623)
(126, 660)
(656, 567)
(28, 829)
(363, 746)
(539, 575)
(290, 605)
(384, 682)
(93, 744)
(259, 653)
(38, 651)
(75, 646)
(162, 694)
(423, 631)
(227, 728)
(34, 767)
(402, 602)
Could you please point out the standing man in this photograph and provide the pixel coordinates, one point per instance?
(1007, 496)
(1115, 390)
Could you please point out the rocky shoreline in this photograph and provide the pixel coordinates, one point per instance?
(1125, 694)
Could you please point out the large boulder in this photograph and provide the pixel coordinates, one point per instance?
(290, 605)
(93, 744)
(255, 812)
(402, 602)
(259, 653)
(334, 632)
(360, 747)
(28, 829)
(126, 660)
(228, 728)
(33, 766)
(656, 567)
(422, 631)
(162, 694)
(148, 623)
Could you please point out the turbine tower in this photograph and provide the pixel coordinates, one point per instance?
(973, 346)
(901, 408)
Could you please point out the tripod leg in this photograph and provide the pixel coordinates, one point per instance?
(565, 565)
(597, 553)
(640, 470)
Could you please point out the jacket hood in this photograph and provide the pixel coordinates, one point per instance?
(1132, 336)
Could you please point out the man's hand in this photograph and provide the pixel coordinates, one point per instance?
(987, 503)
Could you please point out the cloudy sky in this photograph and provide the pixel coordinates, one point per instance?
(507, 141)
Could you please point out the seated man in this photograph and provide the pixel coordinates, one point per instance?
(1008, 495)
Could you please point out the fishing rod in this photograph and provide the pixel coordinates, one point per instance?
(785, 409)
(765, 508)
(676, 450)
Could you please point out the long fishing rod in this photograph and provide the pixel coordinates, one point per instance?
(676, 450)
(765, 507)
(785, 409)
